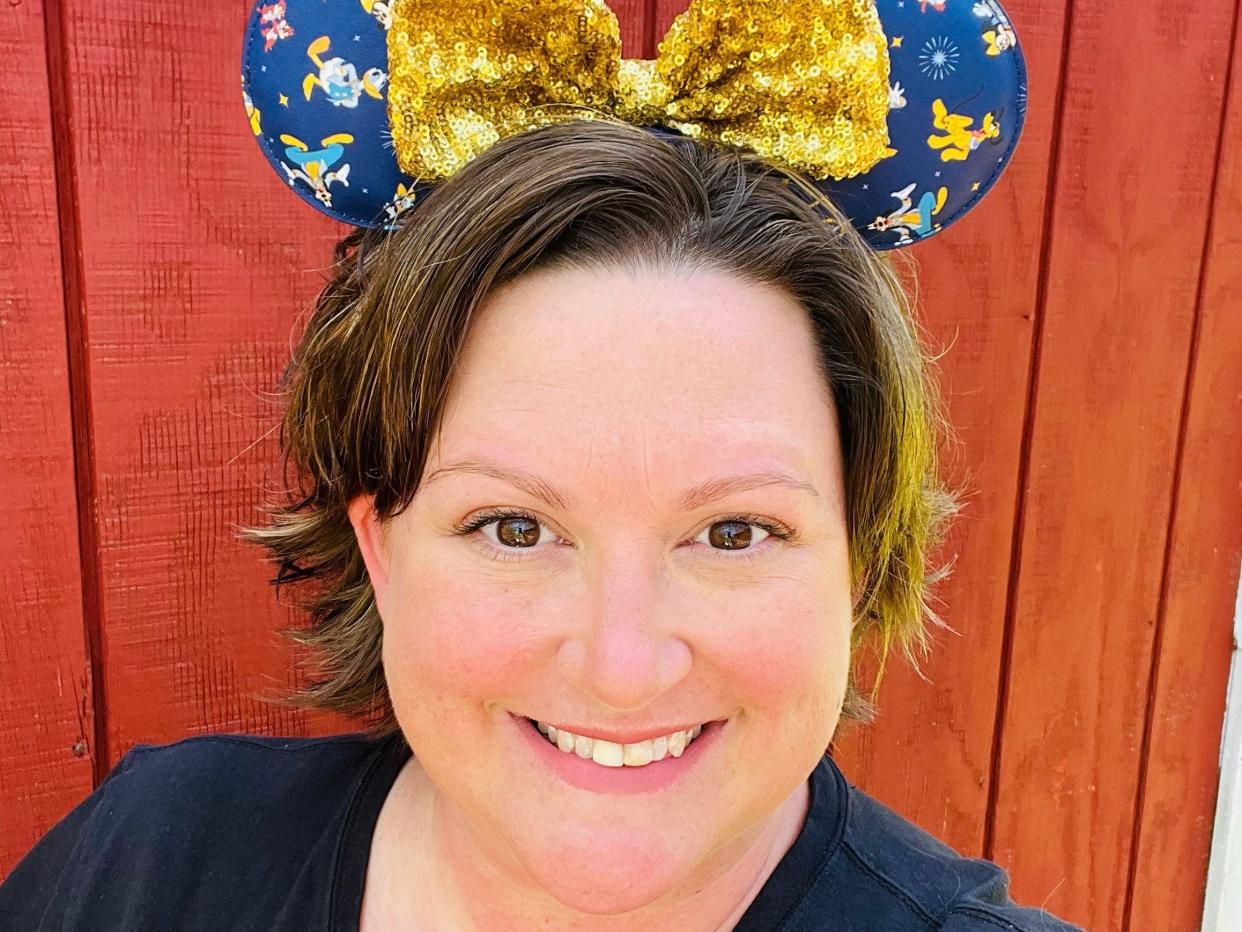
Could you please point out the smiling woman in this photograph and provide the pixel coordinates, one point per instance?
(612, 456)
(668, 573)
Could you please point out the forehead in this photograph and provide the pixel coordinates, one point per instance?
(682, 363)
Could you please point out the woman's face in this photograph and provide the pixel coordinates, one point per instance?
(632, 524)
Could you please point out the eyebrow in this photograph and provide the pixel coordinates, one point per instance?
(528, 482)
(706, 492)
(696, 497)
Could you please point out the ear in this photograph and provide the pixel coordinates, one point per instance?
(370, 536)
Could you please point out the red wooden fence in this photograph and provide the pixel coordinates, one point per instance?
(154, 269)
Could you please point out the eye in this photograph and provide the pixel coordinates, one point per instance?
(743, 536)
(508, 532)
(735, 533)
(514, 531)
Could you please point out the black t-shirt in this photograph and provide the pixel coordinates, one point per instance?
(238, 832)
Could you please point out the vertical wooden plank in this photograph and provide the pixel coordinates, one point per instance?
(1181, 764)
(196, 263)
(1122, 275)
(46, 721)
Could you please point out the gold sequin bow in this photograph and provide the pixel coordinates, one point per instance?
(804, 83)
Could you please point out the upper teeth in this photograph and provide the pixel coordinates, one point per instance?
(611, 754)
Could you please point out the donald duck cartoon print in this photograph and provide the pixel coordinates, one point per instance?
(315, 166)
(338, 79)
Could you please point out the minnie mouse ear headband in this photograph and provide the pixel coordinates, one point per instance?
(903, 112)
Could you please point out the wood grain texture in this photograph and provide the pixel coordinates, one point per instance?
(1122, 275)
(46, 716)
(636, 18)
(1181, 760)
(196, 265)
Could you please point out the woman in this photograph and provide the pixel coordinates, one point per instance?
(608, 461)
(613, 448)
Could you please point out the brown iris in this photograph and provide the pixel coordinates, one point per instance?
(730, 535)
(517, 531)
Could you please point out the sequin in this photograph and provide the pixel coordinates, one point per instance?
(803, 83)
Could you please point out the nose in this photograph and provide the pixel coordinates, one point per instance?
(625, 652)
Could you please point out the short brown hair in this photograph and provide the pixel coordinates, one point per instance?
(367, 382)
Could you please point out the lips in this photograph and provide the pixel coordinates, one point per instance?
(618, 754)
(606, 775)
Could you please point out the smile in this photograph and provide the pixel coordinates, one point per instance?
(613, 754)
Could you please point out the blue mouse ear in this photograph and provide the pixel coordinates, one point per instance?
(315, 81)
(957, 102)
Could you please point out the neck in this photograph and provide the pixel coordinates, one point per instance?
(446, 870)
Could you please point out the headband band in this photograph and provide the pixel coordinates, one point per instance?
(903, 112)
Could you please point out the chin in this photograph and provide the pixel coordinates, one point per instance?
(629, 870)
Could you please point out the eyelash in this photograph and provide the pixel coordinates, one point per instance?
(513, 554)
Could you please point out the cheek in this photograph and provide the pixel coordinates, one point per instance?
(784, 645)
(454, 635)
(790, 649)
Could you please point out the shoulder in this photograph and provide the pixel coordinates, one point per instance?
(235, 784)
(922, 877)
(176, 829)
(859, 865)
(225, 794)
(238, 769)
